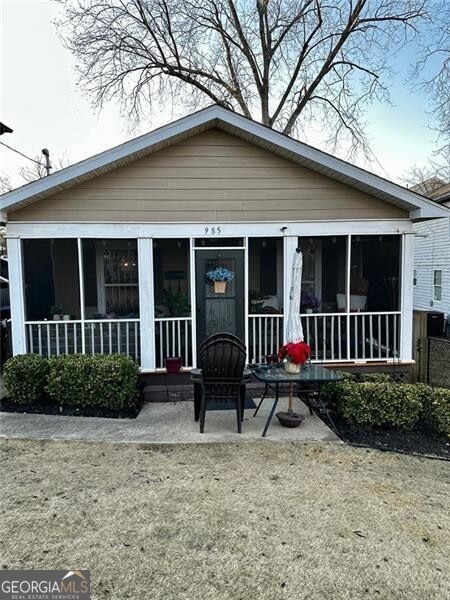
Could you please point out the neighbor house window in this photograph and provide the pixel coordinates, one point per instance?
(437, 285)
(415, 277)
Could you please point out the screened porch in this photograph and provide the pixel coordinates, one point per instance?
(88, 295)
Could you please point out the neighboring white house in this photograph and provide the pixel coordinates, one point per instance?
(432, 253)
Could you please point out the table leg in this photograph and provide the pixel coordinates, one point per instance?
(197, 400)
(261, 401)
(272, 411)
(242, 400)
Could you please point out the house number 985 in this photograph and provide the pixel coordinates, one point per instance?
(212, 230)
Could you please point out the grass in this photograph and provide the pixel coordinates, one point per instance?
(253, 521)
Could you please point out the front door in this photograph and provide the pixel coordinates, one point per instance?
(218, 309)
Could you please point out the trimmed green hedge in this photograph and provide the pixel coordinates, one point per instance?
(25, 377)
(371, 403)
(437, 409)
(104, 381)
(377, 401)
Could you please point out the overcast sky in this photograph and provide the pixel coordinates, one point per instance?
(40, 100)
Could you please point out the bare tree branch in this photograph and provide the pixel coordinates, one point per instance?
(37, 170)
(285, 62)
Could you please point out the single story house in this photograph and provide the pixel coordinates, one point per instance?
(117, 253)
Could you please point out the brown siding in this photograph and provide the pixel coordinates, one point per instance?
(213, 176)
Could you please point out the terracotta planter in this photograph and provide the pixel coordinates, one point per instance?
(173, 365)
(290, 419)
(292, 368)
(220, 287)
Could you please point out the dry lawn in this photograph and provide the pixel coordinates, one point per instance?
(251, 521)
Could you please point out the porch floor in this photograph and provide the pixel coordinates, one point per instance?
(166, 423)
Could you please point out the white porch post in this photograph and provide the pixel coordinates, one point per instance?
(16, 292)
(348, 276)
(146, 303)
(290, 243)
(246, 295)
(81, 285)
(193, 300)
(406, 303)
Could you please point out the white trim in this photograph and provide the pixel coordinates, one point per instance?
(82, 303)
(348, 274)
(193, 301)
(406, 299)
(328, 364)
(17, 300)
(246, 298)
(146, 303)
(217, 116)
(196, 230)
(71, 321)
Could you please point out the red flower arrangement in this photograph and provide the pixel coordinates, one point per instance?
(296, 352)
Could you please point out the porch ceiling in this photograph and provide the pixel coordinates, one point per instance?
(419, 207)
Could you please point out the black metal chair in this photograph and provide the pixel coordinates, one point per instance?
(222, 335)
(222, 362)
(196, 374)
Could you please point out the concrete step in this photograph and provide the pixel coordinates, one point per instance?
(185, 391)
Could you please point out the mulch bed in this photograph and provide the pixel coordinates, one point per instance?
(46, 406)
(421, 442)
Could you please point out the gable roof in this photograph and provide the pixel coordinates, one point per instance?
(216, 116)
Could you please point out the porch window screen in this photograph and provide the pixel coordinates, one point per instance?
(121, 280)
(265, 275)
(171, 278)
(324, 279)
(110, 272)
(375, 273)
(51, 279)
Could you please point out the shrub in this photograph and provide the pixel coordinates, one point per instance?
(369, 404)
(25, 377)
(437, 408)
(331, 392)
(376, 377)
(104, 381)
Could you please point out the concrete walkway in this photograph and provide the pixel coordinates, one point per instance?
(166, 423)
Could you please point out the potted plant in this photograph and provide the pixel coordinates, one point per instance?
(56, 312)
(308, 302)
(173, 364)
(177, 304)
(219, 277)
(293, 355)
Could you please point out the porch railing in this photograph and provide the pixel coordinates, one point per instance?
(173, 338)
(265, 336)
(104, 336)
(333, 337)
(336, 337)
